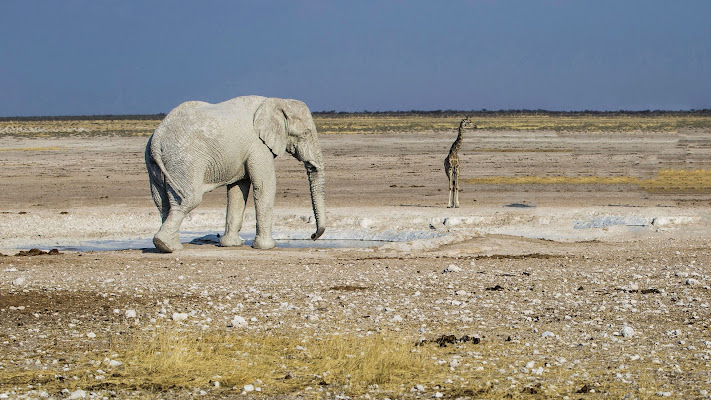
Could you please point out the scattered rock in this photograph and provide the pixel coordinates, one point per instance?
(238, 322)
(77, 394)
(452, 221)
(452, 268)
(627, 331)
(584, 389)
(495, 288)
(445, 340)
(37, 252)
(180, 316)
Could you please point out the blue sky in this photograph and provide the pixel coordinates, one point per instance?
(142, 57)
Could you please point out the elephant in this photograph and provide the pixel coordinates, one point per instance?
(200, 146)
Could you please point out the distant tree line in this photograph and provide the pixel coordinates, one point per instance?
(514, 113)
(411, 113)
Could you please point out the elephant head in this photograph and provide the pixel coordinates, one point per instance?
(286, 125)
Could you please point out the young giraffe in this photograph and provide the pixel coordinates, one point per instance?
(451, 165)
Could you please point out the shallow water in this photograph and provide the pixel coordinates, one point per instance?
(205, 238)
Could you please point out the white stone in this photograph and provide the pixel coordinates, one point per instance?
(547, 334)
(420, 387)
(239, 321)
(460, 292)
(18, 282)
(452, 268)
(692, 282)
(627, 331)
(180, 316)
(631, 287)
(396, 318)
(91, 335)
(115, 363)
(77, 394)
(248, 388)
(452, 221)
(130, 314)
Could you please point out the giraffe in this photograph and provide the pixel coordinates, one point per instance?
(451, 165)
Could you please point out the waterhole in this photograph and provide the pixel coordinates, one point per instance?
(212, 239)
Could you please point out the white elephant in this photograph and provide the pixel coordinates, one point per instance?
(200, 146)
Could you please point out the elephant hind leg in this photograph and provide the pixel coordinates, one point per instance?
(167, 240)
(174, 210)
(160, 198)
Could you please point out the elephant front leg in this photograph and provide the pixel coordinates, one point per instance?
(237, 194)
(263, 178)
(167, 240)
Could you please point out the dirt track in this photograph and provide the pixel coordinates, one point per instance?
(580, 261)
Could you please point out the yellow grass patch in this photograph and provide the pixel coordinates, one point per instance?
(384, 123)
(173, 359)
(382, 364)
(526, 122)
(667, 181)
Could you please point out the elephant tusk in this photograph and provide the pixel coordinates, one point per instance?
(318, 233)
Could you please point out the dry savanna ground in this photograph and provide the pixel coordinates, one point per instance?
(577, 267)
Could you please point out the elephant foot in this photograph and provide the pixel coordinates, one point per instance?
(166, 246)
(231, 241)
(264, 244)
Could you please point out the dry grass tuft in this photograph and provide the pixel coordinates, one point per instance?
(666, 181)
(173, 359)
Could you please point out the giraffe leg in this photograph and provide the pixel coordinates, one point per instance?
(450, 203)
(456, 187)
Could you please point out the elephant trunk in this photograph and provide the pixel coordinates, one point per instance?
(318, 197)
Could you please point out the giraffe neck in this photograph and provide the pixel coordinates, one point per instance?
(458, 142)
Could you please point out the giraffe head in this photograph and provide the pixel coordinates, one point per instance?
(466, 122)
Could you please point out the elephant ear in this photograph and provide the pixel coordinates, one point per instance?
(270, 125)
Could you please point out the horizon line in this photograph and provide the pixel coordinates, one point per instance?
(334, 112)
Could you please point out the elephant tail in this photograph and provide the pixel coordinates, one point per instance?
(161, 182)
